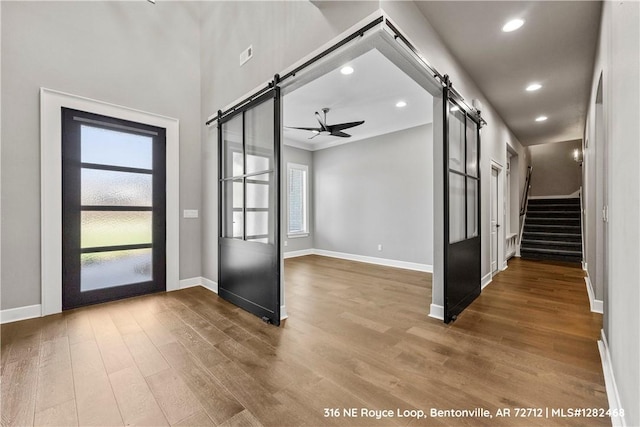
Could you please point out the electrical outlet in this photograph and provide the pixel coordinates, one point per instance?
(286, 243)
(246, 55)
(380, 247)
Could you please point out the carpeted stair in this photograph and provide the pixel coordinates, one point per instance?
(552, 230)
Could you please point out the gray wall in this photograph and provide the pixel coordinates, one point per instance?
(301, 157)
(555, 173)
(129, 53)
(618, 58)
(281, 34)
(377, 191)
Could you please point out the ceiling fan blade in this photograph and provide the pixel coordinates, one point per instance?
(340, 134)
(310, 129)
(343, 126)
(323, 125)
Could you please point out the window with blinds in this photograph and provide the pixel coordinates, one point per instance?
(297, 182)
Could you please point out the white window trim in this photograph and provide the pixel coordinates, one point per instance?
(51, 102)
(304, 233)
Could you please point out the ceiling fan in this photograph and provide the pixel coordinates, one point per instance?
(329, 130)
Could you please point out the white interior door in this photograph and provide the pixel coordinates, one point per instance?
(494, 220)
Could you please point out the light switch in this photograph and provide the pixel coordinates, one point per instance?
(190, 213)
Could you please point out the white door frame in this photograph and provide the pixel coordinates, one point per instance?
(51, 102)
(501, 263)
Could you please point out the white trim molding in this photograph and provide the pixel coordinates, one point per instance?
(295, 254)
(51, 102)
(209, 284)
(190, 283)
(596, 306)
(436, 311)
(615, 405)
(486, 280)
(283, 312)
(378, 261)
(20, 313)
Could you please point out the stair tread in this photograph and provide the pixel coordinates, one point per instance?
(550, 226)
(554, 212)
(555, 206)
(542, 234)
(551, 242)
(552, 251)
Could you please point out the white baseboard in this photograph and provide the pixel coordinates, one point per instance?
(436, 311)
(504, 266)
(597, 306)
(585, 265)
(486, 280)
(20, 313)
(189, 283)
(295, 254)
(283, 312)
(209, 284)
(615, 405)
(373, 260)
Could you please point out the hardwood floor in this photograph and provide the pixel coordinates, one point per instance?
(357, 337)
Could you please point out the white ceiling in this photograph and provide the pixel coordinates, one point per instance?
(370, 93)
(556, 47)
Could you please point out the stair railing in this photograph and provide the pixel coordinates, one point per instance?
(524, 204)
(525, 196)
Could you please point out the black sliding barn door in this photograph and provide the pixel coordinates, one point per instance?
(249, 206)
(462, 274)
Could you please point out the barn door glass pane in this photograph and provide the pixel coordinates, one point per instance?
(472, 148)
(472, 208)
(232, 148)
(456, 140)
(233, 204)
(259, 138)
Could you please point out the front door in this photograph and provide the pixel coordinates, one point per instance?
(249, 206)
(113, 201)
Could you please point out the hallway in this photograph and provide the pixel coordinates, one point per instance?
(357, 337)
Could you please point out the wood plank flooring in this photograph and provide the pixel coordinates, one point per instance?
(358, 336)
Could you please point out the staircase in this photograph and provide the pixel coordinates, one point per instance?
(552, 230)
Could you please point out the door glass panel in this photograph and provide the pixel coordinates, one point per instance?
(111, 188)
(257, 194)
(100, 228)
(472, 148)
(259, 137)
(114, 148)
(456, 208)
(258, 224)
(456, 140)
(233, 201)
(232, 147)
(472, 208)
(107, 269)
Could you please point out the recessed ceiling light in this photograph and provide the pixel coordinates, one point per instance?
(533, 86)
(541, 118)
(454, 108)
(346, 70)
(401, 104)
(513, 25)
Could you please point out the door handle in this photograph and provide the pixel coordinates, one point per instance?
(497, 225)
